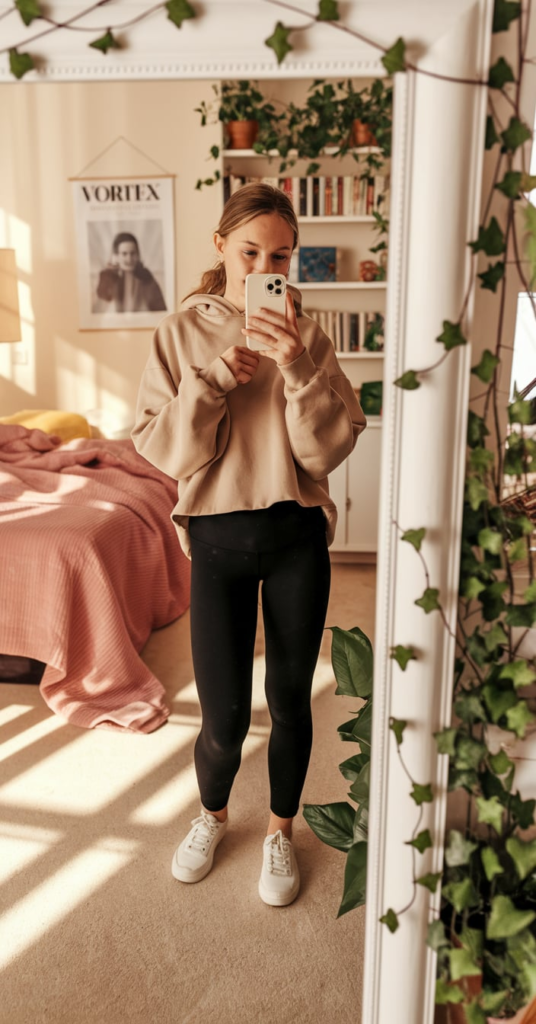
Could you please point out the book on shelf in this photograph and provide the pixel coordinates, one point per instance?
(351, 331)
(317, 263)
(350, 195)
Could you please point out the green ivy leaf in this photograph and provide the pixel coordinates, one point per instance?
(529, 240)
(403, 655)
(452, 336)
(458, 850)
(486, 367)
(517, 551)
(500, 74)
(490, 540)
(490, 812)
(469, 752)
(476, 430)
(461, 894)
(490, 278)
(435, 936)
(446, 993)
(493, 1002)
(398, 725)
(474, 1013)
(500, 763)
(408, 381)
(481, 460)
(429, 600)
(20, 63)
(352, 661)
(422, 794)
(473, 587)
(332, 823)
(530, 593)
(446, 741)
(521, 615)
(510, 186)
(505, 920)
(523, 810)
(328, 10)
(469, 707)
(215, 152)
(490, 863)
(422, 841)
(29, 10)
(395, 58)
(491, 135)
(523, 855)
(278, 42)
(515, 135)
(106, 42)
(477, 492)
(520, 412)
(355, 878)
(414, 537)
(505, 11)
(519, 672)
(462, 964)
(498, 701)
(429, 881)
(390, 919)
(312, 168)
(490, 240)
(179, 11)
(518, 717)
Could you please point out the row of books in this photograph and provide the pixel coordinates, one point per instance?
(351, 332)
(347, 195)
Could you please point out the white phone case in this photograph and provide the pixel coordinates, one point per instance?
(268, 291)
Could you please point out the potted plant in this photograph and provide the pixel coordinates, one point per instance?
(248, 117)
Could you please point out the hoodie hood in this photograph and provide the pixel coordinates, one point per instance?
(217, 305)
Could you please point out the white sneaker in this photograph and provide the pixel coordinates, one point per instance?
(193, 859)
(279, 883)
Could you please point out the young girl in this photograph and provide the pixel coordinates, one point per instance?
(251, 437)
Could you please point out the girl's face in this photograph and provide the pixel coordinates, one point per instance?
(262, 246)
(127, 256)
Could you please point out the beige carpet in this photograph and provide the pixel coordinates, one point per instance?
(94, 929)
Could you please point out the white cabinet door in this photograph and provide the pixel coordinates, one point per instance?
(355, 488)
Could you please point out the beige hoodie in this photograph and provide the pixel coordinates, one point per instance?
(242, 446)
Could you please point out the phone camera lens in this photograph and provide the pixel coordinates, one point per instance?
(278, 291)
(270, 287)
(278, 281)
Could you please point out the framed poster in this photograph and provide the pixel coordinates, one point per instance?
(125, 251)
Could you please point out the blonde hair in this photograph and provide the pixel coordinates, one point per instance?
(248, 202)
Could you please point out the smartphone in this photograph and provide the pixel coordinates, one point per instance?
(268, 291)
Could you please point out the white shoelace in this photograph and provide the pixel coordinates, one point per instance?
(279, 855)
(203, 833)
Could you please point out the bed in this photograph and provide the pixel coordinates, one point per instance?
(90, 565)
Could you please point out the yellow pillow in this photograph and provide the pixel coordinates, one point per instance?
(66, 425)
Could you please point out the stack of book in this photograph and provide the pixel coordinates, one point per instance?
(351, 332)
(343, 195)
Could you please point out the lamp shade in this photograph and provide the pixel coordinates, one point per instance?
(9, 297)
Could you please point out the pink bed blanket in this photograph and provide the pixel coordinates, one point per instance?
(90, 564)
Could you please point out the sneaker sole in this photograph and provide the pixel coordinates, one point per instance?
(188, 874)
(278, 899)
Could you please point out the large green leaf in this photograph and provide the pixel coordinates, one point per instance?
(505, 920)
(518, 717)
(523, 855)
(360, 788)
(505, 11)
(332, 823)
(351, 768)
(521, 615)
(355, 878)
(461, 894)
(519, 672)
(352, 660)
(490, 863)
(462, 964)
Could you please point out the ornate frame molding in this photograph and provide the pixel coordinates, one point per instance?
(436, 177)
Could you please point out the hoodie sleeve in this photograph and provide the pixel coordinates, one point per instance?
(182, 419)
(323, 416)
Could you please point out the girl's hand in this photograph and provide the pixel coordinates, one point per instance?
(279, 331)
(242, 362)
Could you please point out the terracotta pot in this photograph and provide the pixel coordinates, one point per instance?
(242, 134)
(362, 134)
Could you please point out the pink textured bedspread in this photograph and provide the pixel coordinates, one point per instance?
(90, 564)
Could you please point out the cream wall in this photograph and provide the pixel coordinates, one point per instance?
(50, 132)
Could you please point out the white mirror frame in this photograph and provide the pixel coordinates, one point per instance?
(436, 176)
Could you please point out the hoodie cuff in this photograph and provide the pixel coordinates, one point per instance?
(218, 376)
(298, 373)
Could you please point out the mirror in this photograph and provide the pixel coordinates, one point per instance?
(436, 169)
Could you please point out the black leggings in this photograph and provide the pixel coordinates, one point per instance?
(283, 546)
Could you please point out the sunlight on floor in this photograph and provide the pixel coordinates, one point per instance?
(21, 845)
(13, 711)
(55, 898)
